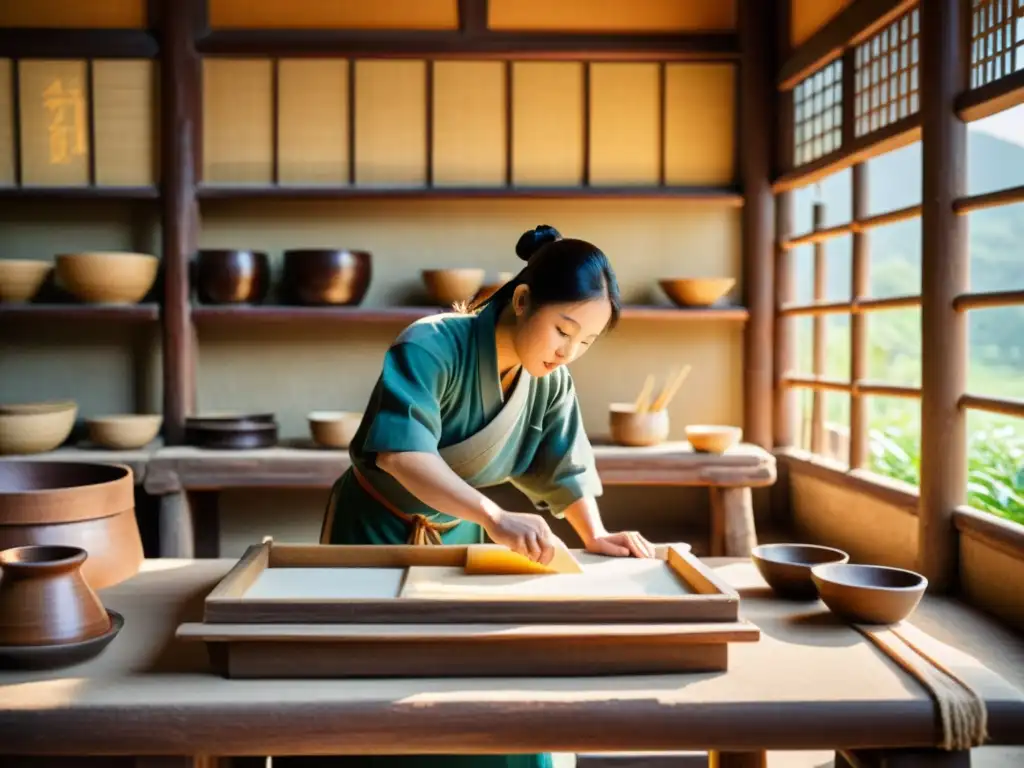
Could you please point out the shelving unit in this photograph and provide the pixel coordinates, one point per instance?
(116, 313)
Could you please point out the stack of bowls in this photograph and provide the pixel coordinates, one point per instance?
(231, 431)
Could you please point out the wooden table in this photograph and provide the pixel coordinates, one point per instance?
(811, 683)
(188, 479)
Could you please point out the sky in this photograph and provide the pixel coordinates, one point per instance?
(1008, 125)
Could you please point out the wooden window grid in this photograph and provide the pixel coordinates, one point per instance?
(997, 40)
(818, 114)
(886, 78)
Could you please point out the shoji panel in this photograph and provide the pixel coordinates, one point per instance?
(469, 123)
(334, 14)
(95, 14)
(313, 120)
(6, 123)
(547, 123)
(237, 121)
(625, 124)
(700, 124)
(125, 120)
(53, 100)
(616, 16)
(391, 122)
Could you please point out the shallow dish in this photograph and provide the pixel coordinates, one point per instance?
(869, 594)
(787, 567)
(696, 291)
(712, 438)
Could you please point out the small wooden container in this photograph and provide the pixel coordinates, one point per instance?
(637, 429)
(696, 291)
(869, 594)
(323, 277)
(334, 429)
(45, 600)
(448, 286)
(231, 277)
(712, 438)
(124, 432)
(21, 279)
(107, 278)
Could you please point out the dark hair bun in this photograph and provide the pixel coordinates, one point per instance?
(534, 239)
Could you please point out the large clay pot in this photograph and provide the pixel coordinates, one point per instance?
(45, 600)
(76, 504)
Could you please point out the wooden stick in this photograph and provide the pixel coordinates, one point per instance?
(669, 392)
(645, 394)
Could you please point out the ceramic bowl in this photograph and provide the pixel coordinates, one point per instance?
(124, 432)
(787, 567)
(35, 427)
(231, 277)
(489, 289)
(325, 277)
(107, 277)
(21, 279)
(44, 599)
(71, 503)
(637, 429)
(334, 429)
(696, 291)
(869, 594)
(712, 438)
(449, 286)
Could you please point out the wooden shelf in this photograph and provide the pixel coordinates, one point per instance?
(299, 464)
(79, 193)
(729, 196)
(226, 314)
(134, 313)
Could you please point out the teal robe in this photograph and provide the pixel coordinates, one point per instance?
(440, 392)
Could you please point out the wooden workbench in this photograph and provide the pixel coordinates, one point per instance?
(810, 683)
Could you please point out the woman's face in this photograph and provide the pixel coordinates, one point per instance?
(556, 334)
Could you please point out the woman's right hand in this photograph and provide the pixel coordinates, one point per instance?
(526, 533)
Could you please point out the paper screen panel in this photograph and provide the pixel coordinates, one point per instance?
(71, 14)
(313, 121)
(53, 104)
(469, 123)
(6, 123)
(808, 16)
(237, 121)
(547, 123)
(625, 128)
(391, 123)
(615, 16)
(336, 14)
(124, 114)
(700, 124)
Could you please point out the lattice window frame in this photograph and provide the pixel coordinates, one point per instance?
(997, 40)
(887, 75)
(818, 114)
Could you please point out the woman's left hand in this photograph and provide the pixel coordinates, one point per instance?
(621, 544)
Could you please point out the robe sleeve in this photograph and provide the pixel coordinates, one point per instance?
(563, 470)
(408, 401)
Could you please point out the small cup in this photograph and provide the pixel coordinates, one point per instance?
(637, 429)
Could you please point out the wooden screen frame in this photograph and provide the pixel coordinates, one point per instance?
(712, 599)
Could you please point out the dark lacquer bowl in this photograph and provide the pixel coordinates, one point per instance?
(231, 277)
(319, 277)
(787, 567)
(869, 594)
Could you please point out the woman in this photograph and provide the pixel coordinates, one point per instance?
(481, 397)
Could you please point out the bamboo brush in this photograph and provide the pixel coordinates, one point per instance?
(666, 395)
(645, 395)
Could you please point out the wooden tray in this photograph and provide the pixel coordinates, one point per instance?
(321, 611)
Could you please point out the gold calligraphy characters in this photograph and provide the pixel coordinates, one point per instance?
(66, 107)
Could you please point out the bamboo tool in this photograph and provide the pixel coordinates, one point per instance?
(666, 394)
(645, 394)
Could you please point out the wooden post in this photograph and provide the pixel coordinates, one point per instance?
(784, 347)
(943, 276)
(179, 88)
(818, 344)
(757, 98)
(860, 286)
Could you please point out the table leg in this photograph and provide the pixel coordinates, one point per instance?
(903, 758)
(732, 522)
(205, 508)
(718, 759)
(177, 538)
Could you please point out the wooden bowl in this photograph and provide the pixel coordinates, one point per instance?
(637, 429)
(449, 286)
(124, 432)
(230, 437)
(107, 277)
(869, 594)
(21, 279)
(489, 289)
(231, 277)
(787, 567)
(322, 277)
(696, 291)
(334, 429)
(712, 438)
(80, 504)
(45, 600)
(229, 418)
(35, 427)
